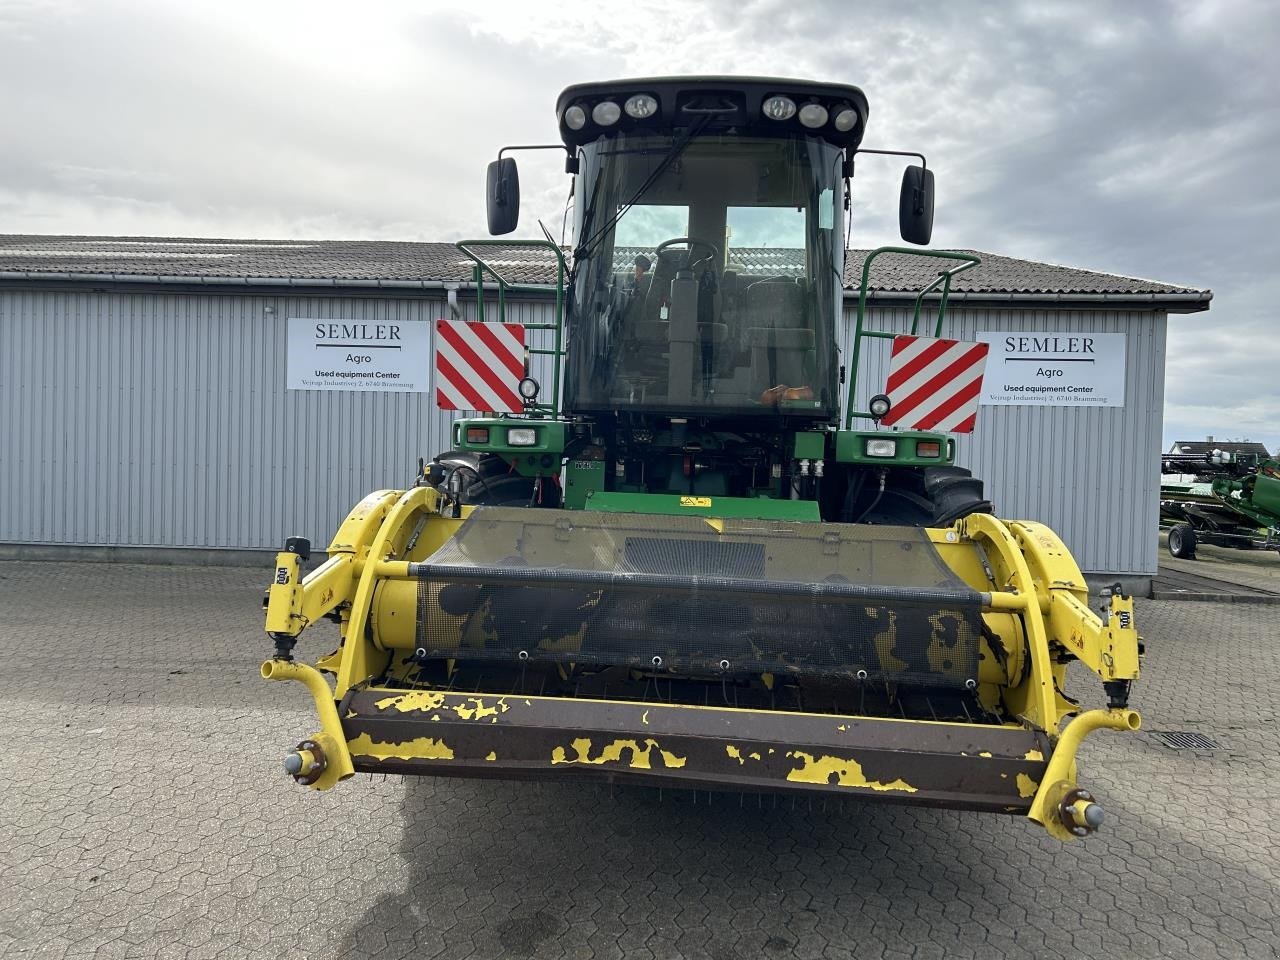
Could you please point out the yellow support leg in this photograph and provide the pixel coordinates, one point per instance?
(1058, 785)
(332, 753)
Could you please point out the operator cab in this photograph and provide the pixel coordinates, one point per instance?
(729, 192)
(739, 215)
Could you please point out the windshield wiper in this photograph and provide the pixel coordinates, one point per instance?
(588, 247)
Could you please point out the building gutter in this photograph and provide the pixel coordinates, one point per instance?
(1174, 302)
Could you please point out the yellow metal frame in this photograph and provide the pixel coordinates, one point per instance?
(1034, 598)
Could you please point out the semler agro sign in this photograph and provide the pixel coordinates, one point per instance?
(357, 355)
(1054, 369)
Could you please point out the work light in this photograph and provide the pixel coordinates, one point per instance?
(640, 106)
(779, 108)
(846, 120)
(879, 406)
(813, 115)
(529, 389)
(606, 113)
(575, 118)
(522, 437)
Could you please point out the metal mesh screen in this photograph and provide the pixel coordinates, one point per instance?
(698, 597)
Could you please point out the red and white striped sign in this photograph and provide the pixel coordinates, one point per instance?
(479, 366)
(934, 384)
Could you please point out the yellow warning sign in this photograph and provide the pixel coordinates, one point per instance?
(695, 501)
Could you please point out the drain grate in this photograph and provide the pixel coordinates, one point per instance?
(1185, 740)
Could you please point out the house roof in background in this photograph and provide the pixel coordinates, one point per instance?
(375, 263)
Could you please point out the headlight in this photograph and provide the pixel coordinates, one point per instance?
(779, 108)
(575, 118)
(813, 115)
(522, 437)
(606, 113)
(640, 106)
(882, 448)
(846, 120)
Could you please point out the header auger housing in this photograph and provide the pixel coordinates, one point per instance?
(682, 568)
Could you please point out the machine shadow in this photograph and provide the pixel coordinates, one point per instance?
(560, 869)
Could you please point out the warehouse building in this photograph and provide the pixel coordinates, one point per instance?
(147, 402)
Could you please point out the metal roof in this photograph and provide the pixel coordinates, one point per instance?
(1226, 446)
(382, 263)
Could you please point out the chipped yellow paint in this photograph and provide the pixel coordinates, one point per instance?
(422, 748)
(638, 757)
(984, 753)
(848, 773)
(1034, 755)
(1026, 786)
(734, 753)
(753, 755)
(424, 700)
(1004, 776)
(492, 756)
(670, 760)
(644, 718)
(476, 709)
(843, 727)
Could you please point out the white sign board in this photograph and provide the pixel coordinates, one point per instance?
(1054, 369)
(359, 355)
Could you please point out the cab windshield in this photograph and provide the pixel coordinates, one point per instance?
(708, 274)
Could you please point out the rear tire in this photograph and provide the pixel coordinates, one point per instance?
(488, 481)
(1182, 541)
(928, 497)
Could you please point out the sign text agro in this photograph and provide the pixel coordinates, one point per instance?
(1052, 346)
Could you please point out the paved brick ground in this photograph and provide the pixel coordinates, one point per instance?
(143, 814)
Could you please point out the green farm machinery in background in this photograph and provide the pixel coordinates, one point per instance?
(1233, 501)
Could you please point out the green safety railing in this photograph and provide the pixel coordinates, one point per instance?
(969, 261)
(481, 269)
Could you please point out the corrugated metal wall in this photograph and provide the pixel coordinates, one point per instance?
(157, 419)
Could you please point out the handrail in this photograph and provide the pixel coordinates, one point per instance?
(481, 268)
(969, 261)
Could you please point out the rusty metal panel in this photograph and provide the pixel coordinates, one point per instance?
(435, 733)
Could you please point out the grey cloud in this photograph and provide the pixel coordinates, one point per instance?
(1134, 138)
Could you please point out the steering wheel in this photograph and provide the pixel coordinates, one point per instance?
(689, 242)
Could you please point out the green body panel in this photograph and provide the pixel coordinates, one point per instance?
(851, 446)
(1256, 497)
(1266, 489)
(667, 504)
(550, 435)
(582, 478)
(810, 445)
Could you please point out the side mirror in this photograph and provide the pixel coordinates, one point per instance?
(502, 194)
(915, 205)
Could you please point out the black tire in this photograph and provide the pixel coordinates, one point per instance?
(925, 497)
(1182, 541)
(487, 481)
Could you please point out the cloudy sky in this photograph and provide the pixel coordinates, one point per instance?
(1135, 138)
